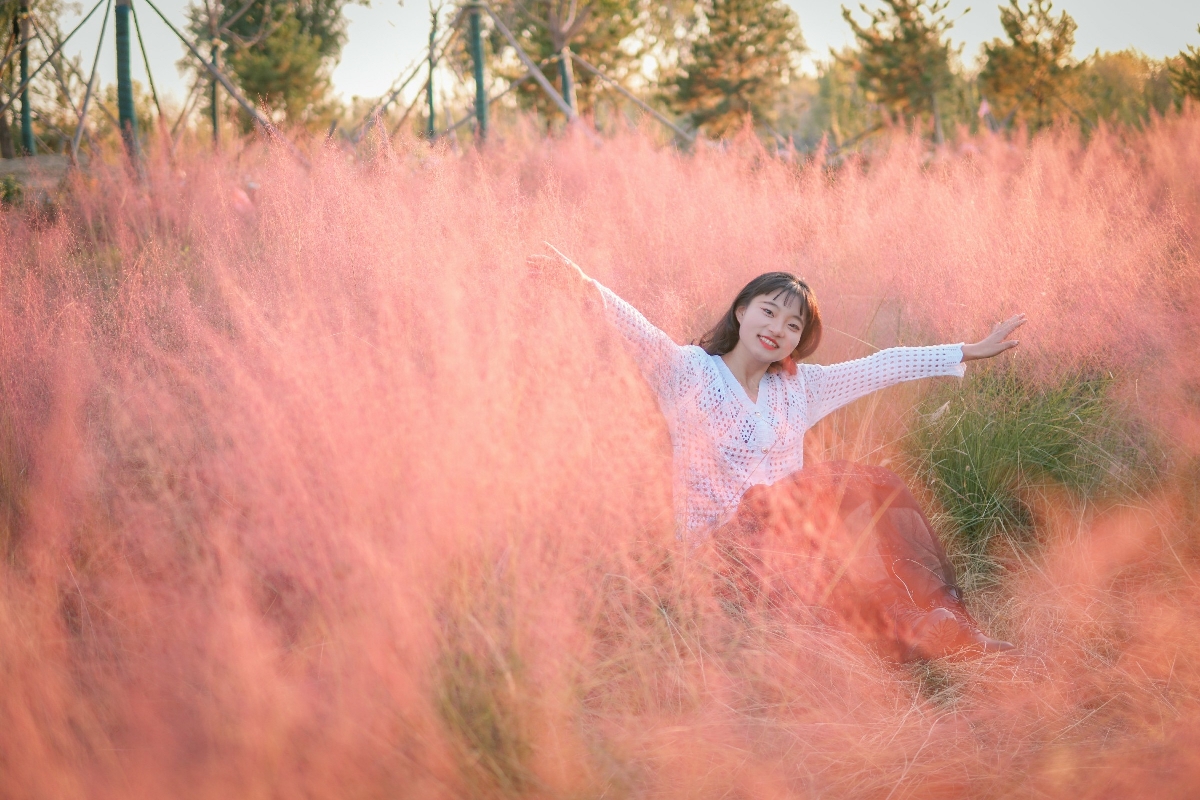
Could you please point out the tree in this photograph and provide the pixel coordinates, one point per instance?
(289, 69)
(54, 114)
(840, 107)
(1185, 72)
(1123, 88)
(903, 57)
(278, 53)
(8, 15)
(737, 65)
(1028, 77)
(610, 34)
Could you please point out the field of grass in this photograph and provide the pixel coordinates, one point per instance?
(309, 489)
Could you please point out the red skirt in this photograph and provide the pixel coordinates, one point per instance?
(853, 540)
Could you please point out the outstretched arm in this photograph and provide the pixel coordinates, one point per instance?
(656, 353)
(829, 388)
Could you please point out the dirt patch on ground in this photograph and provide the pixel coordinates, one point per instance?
(36, 175)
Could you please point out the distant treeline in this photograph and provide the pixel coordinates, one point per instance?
(715, 66)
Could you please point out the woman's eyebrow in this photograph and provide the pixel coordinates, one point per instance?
(769, 301)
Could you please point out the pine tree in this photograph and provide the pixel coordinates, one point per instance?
(1185, 72)
(1122, 88)
(840, 107)
(903, 57)
(54, 116)
(279, 54)
(1028, 77)
(738, 65)
(612, 35)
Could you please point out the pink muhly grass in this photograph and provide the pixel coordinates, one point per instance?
(327, 496)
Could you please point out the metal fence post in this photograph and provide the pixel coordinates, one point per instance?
(567, 77)
(481, 98)
(215, 98)
(431, 129)
(125, 112)
(27, 143)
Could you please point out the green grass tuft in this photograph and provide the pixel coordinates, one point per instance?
(479, 701)
(12, 191)
(987, 445)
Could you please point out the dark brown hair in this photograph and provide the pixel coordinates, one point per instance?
(724, 335)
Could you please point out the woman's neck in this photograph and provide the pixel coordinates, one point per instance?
(748, 371)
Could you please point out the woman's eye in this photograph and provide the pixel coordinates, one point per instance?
(768, 312)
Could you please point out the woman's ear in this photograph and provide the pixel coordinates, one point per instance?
(739, 313)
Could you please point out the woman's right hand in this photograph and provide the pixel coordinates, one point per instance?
(557, 266)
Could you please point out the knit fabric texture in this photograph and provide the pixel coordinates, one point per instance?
(723, 442)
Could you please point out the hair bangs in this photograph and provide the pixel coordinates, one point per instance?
(793, 292)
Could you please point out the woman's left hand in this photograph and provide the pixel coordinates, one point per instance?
(995, 342)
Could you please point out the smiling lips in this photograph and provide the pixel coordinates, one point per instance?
(768, 342)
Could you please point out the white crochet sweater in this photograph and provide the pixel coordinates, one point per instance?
(723, 442)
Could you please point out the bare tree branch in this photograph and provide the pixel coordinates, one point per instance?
(56, 64)
(240, 13)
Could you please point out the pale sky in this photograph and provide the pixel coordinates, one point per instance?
(386, 36)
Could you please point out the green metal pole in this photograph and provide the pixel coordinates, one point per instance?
(432, 127)
(481, 98)
(26, 111)
(125, 113)
(215, 111)
(16, 37)
(564, 76)
(567, 76)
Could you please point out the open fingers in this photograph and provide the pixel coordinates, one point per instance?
(561, 259)
(557, 268)
(1003, 329)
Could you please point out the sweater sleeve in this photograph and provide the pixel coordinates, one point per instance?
(830, 387)
(657, 355)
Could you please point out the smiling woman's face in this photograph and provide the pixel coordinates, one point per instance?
(770, 326)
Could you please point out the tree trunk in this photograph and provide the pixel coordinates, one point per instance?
(835, 130)
(6, 143)
(938, 136)
(215, 96)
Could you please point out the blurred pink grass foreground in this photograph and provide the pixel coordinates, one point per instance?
(327, 497)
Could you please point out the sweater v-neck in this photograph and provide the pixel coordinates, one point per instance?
(738, 389)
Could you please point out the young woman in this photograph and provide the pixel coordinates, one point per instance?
(839, 535)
